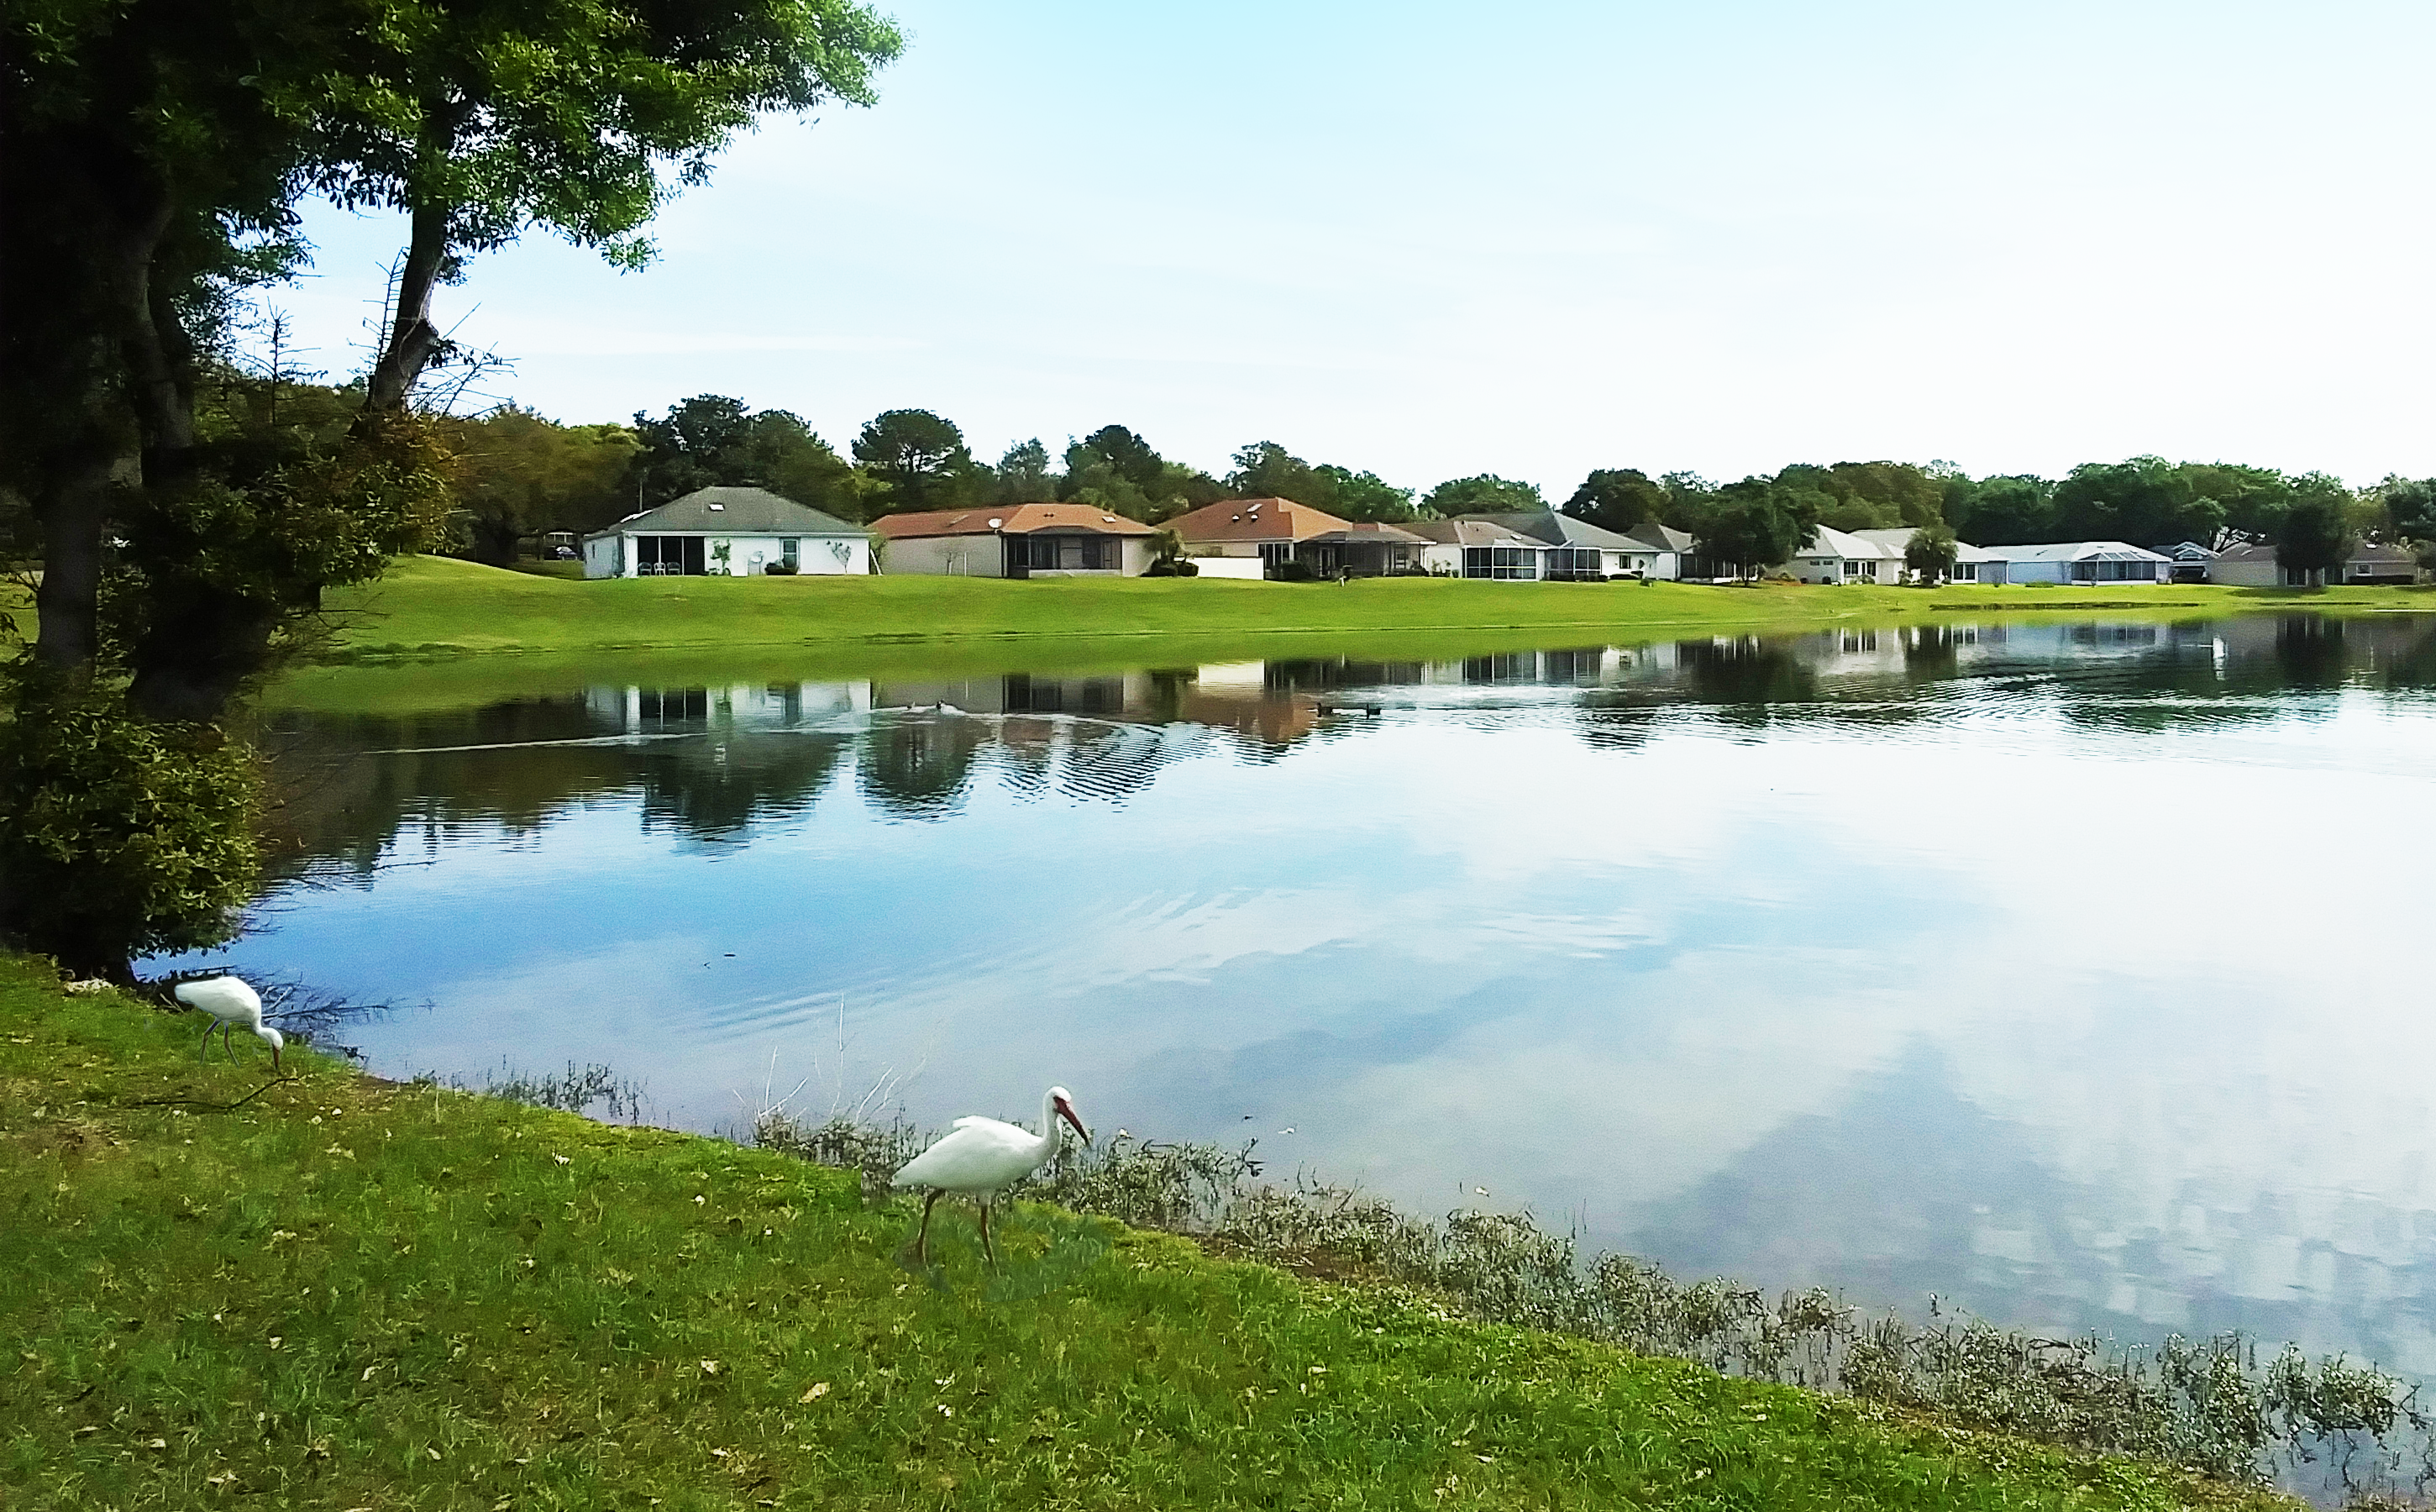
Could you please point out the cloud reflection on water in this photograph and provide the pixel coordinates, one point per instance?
(2062, 970)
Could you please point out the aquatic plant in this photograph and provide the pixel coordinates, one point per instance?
(2210, 1405)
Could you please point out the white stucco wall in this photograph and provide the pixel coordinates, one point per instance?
(2258, 572)
(1245, 568)
(615, 556)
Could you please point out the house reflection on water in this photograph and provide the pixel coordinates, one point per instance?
(710, 760)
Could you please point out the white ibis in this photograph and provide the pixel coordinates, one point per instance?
(980, 1157)
(230, 1003)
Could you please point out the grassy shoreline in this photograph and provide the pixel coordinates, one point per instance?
(353, 1293)
(430, 607)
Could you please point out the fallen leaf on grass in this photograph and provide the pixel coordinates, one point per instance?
(711, 1367)
(815, 1391)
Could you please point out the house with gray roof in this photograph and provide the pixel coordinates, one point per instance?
(1545, 545)
(728, 533)
(2074, 562)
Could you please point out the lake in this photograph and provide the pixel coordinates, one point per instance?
(2075, 972)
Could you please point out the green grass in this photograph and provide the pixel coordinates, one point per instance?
(353, 1294)
(433, 607)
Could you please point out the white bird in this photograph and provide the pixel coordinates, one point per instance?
(230, 1003)
(980, 1157)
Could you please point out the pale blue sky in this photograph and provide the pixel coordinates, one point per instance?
(1433, 240)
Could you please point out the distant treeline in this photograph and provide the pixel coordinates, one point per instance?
(519, 474)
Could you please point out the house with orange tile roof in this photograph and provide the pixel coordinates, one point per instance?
(1233, 532)
(1014, 541)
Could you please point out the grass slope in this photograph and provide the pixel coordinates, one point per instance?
(429, 606)
(351, 1293)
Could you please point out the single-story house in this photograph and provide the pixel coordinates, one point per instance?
(2074, 562)
(1585, 552)
(2380, 564)
(1268, 530)
(1897, 539)
(2192, 562)
(1482, 548)
(1014, 541)
(1842, 556)
(2250, 564)
(2255, 566)
(1674, 554)
(1362, 549)
(729, 533)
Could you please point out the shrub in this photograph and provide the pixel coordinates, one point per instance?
(778, 569)
(124, 836)
(1293, 572)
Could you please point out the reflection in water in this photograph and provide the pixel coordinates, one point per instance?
(2060, 969)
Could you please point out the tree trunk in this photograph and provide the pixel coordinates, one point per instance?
(412, 338)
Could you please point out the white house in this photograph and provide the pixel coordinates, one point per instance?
(728, 533)
(1847, 556)
(2074, 562)
(1898, 540)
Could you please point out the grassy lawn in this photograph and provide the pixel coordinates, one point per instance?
(353, 1294)
(431, 607)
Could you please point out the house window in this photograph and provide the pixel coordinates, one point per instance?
(787, 553)
(1275, 553)
(1095, 554)
(1502, 562)
(667, 556)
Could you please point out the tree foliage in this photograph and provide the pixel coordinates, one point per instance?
(711, 441)
(1618, 499)
(2315, 536)
(125, 836)
(520, 474)
(918, 460)
(1931, 551)
(1267, 470)
(1483, 494)
(1755, 523)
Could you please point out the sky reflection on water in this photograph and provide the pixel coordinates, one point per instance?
(2072, 972)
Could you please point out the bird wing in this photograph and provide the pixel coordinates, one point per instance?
(221, 997)
(980, 1155)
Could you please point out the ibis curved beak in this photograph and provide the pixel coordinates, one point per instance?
(1065, 1111)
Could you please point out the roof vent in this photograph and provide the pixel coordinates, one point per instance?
(995, 524)
(717, 505)
(1107, 519)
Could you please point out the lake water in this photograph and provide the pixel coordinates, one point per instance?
(2077, 973)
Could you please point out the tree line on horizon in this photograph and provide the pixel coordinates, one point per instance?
(520, 474)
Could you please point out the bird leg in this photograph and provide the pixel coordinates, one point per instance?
(227, 1041)
(922, 1239)
(204, 1053)
(986, 1253)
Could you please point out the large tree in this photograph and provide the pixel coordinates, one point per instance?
(519, 472)
(1618, 498)
(153, 152)
(2015, 510)
(2315, 535)
(2146, 501)
(918, 457)
(1267, 470)
(1483, 494)
(1756, 524)
(711, 441)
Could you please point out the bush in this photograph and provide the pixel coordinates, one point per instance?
(1172, 567)
(1293, 572)
(124, 836)
(778, 569)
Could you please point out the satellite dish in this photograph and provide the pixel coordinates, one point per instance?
(995, 524)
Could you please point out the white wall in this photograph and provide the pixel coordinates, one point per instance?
(1246, 569)
(616, 557)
